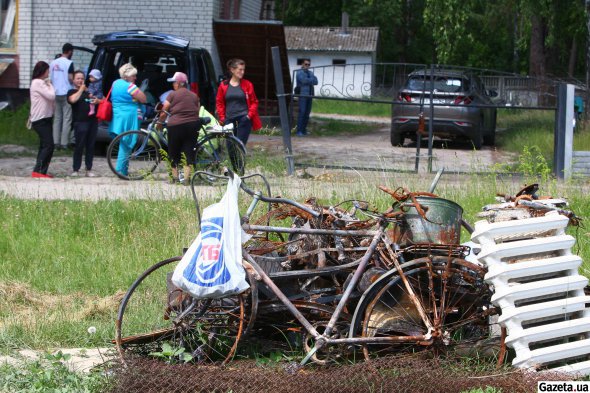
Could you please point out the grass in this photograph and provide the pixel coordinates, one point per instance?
(13, 128)
(351, 108)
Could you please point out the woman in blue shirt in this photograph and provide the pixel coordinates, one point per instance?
(126, 98)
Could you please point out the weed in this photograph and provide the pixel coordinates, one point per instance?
(49, 374)
(172, 355)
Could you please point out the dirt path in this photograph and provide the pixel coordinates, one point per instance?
(367, 152)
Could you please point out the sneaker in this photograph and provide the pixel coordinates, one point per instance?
(75, 174)
(90, 174)
(38, 175)
(300, 134)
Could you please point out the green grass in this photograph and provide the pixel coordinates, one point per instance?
(351, 108)
(13, 128)
(331, 127)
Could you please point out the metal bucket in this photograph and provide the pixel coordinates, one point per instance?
(441, 226)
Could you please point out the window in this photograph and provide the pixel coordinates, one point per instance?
(338, 62)
(8, 24)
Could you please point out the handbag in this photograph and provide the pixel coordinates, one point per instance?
(212, 266)
(105, 109)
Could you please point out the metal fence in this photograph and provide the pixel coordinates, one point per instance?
(381, 82)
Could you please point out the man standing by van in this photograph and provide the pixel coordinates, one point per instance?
(62, 74)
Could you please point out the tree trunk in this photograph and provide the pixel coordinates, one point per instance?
(537, 48)
(571, 67)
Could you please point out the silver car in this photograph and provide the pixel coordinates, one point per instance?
(463, 109)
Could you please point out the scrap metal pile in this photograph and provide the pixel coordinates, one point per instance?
(348, 281)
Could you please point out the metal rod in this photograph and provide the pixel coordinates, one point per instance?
(436, 179)
(282, 297)
(355, 279)
(338, 232)
(283, 112)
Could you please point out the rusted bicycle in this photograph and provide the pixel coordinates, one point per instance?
(331, 282)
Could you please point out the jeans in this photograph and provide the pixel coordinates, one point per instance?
(43, 128)
(304, 111)
(85, 134)
(242, 127)
(62, 121)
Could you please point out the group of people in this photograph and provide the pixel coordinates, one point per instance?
(60, 97)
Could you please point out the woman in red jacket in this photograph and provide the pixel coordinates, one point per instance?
(237, 103)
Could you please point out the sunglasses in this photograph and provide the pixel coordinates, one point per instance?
(306, 64)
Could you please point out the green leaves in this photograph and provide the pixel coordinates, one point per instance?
(172, 355)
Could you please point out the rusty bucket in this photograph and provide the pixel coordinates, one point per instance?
(441, 225)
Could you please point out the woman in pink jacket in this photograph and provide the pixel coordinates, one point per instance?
(41, 117)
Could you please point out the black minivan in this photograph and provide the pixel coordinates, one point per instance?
(157, 56)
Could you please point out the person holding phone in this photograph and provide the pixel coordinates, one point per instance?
(85, 124)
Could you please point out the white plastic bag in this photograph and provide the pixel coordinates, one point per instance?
(212, 266)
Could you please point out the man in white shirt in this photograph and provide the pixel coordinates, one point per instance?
(61, 72)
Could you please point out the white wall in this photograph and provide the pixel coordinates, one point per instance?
(342, 81)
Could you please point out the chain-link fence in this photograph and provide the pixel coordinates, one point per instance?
(389, 374)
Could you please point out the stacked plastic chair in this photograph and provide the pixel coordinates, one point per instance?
(536, 284)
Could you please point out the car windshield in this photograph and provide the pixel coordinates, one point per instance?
(441, 84)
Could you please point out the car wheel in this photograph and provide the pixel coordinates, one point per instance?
(396, 138)
(477, 138)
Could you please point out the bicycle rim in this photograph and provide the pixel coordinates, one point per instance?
(133, 155)
(218, 152)
(451, 293)
(154, 312)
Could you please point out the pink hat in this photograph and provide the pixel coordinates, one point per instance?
(179, 77)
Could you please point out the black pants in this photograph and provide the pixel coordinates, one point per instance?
(242, 127)
(85, 137)
(44, 128)
(182, 138)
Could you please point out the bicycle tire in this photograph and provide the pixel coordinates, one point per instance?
(452, 293)
(140, 160)
(151, 314)
(215, 152)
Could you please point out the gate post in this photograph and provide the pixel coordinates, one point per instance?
(564, 132)
(283, 112)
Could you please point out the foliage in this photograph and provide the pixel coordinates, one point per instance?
(485, 34)
(172, 355)
(49, 374)
(13, 129)
(447, 20)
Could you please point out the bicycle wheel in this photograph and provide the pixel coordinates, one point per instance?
(216, 152)
(154, 312)
(133, 155)
(449, 310)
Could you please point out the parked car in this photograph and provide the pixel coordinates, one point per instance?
(460, 112)
(157, 57)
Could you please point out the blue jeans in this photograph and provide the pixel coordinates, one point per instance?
(304, 111)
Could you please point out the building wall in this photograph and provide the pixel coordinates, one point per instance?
(45, 25)
(352, 80)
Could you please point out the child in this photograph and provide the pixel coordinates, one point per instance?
(94, 87)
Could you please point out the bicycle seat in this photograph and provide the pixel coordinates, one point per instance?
(205, 120)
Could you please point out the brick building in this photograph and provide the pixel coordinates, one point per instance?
(34, 30)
